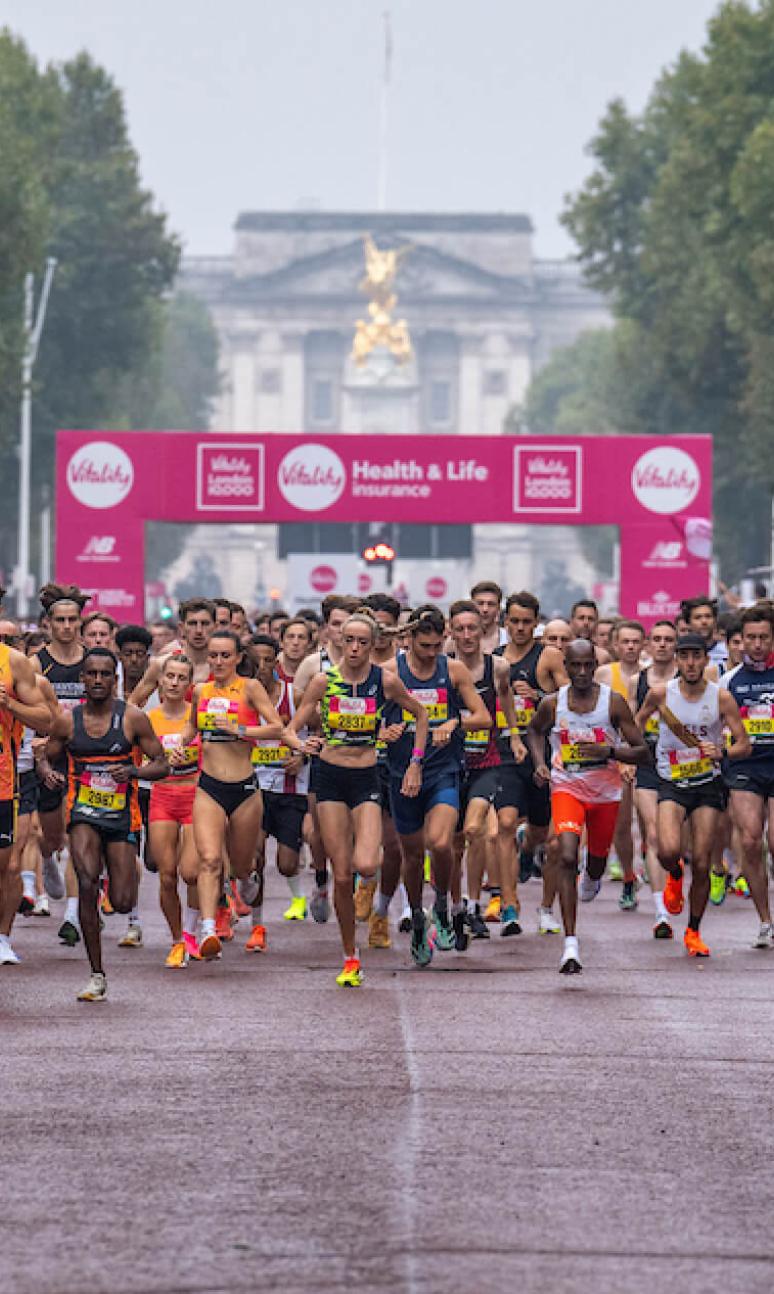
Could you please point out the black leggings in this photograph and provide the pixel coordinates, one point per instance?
(229, 795)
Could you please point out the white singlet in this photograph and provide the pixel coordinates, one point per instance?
(682, 765)
(591, 780)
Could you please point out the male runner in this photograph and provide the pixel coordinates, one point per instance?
(701, 616)
(104, 739)
(98, 630)
(557, 634)
(693, 712)
(751, 779)
(488, 597)
(584, 618)
(21, 703)
(536, 668)
(296, 642)
(481, 788)
(661, 644)
(197, 622)
(222, 612)
(133, 644)
(584, 721)
(627, 642)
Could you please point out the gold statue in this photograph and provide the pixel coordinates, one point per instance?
(382, 329)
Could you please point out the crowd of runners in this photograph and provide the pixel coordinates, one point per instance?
(392, 763)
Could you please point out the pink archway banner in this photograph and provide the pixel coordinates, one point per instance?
(658, 491)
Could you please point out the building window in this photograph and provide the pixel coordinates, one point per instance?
(322, 400)
(495, 382)
(440, 403)
(270, 381)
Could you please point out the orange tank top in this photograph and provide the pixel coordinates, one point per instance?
(168, 732)
(229, 702)
(8, 730)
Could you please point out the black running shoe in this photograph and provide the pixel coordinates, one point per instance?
(461, 937)
(477, 926)
(69, 934)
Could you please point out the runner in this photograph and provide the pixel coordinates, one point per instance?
(584, 618)
(222, 612)
(228, 809)
(557, 634)
(427, 821)
(296, 644)
(751, 779)
(197, 622)
(481, 780)
(98, 630)
(133, 644)
(585, 721)
(283, 778)
(701, 616)
(170, 818)
(661, 644)
(536, 668)
(21, 703)
(351, 697)
(60, 662)
(627, 641)
(488, 597)
(693, 712)
(104, 738)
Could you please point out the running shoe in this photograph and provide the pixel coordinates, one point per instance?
(320, 906)
(428, 872)
(663, 930)
(352, 974)
(69, 934)
(257, 941)
(106, 906)
(191, 946)
(509, 921)
(717, 888)
(26, 906)
(177, 958)
(673, 893)
(223, 927)
(694, 944)
(461, 937)
(444, 934)
(741, 888)
(477, 925)
(571, 962)
(209, 948)
(233, 915)
(41, 908)
(493, 908)
(95, 990)
(364, 898)
(249, 889)
(765, 936)
(627, 901)
(7, 955)
(297, 909)
(421, 949)
(378, 931)
(241, 908)
(614, 869)
(547, 922)
(404, 925)
(589, 888)
(52, 878)
(132, 937)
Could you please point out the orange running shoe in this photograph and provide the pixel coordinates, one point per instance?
(493, 909)
(209, 948)
(223, 923)
(694, 944)
(257, 941)
(240, 907)
(673, 893)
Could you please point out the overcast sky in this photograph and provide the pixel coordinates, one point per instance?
(239, 105)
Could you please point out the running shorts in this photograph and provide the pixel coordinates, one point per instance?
(571, 814)
(229, 795)
(518, 790)
(51, 799)
(29, 792)
(409, 813)
(759, 781)
(172, 802)
(7, 823)
(350, 786)
(646, 779)
(283, 817)
(712, 795)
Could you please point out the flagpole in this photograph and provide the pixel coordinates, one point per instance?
(381, 197)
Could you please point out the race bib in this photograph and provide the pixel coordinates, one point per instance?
(525, 711)
(171, 741)
(218, 708)
(352, 713)
(268, 756)
(501, 722)
(688, 765)
(758, 720)
(653, 726)
(436, 702)
(477, 740)
(572, 755)
(100, 791)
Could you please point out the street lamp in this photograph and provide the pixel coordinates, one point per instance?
(33, 327)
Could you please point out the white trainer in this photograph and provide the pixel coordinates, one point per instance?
(589, 888)
(95, 990)
(571, 962)
(547, 922)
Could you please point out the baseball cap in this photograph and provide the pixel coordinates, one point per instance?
(691, 642)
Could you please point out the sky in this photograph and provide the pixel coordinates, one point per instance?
(248, 105)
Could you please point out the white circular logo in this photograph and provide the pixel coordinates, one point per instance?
(311, 477)
(100, 475)
(665, 479)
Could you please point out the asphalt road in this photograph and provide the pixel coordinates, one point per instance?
(482, 1125)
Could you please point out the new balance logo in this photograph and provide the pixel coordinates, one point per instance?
(667, 551)
(100, 546)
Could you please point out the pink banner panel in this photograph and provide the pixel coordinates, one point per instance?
(658, 491)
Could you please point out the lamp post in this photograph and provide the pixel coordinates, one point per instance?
(33, 327)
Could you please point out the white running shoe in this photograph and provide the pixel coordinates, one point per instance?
(41, 908)
(132, 938)
(7, 955)
(320, 906)
(589, 888)
(95, 990)
(547, 922)
(52, 878)
(765, 938)
(250, 888)
(571, 962)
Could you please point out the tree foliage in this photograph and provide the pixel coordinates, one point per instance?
(676, 225)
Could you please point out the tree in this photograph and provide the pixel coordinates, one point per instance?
(676, 225)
